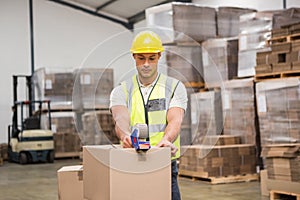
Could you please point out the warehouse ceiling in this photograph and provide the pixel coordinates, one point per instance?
(124, 12)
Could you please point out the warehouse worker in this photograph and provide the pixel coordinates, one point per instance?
(150, 98)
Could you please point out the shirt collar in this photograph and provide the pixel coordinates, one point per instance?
(151, 85)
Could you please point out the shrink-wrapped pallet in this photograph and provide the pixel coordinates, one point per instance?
(184, 63)
(220, 60)
(183, 22)
(238, 109)
(228, 20)
(206, 116)
(98, 128)
(92, 87)
(55, 85)
(278, 107)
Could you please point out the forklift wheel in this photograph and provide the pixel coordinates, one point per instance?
(23, 158)
(50, 157)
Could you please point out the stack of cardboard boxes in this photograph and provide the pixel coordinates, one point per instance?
(98, 128)
(73, 93)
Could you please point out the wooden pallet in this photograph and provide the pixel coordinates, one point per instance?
(276, 75)
(274, 194)
(283, 39)
(67, 154)
(194, 84)
(219, 180)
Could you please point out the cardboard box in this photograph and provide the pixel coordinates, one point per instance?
(286, 186)
(113, 173)
(70, 182)
(263, 182)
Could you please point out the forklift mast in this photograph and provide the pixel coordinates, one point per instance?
(15, 100)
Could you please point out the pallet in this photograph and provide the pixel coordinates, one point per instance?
(1, 161)
(219, 180)
(67, 154)
(276, 75)
(283, 39)
(194, 84)
(274, 194)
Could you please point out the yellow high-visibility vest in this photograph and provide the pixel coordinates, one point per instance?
(154, 113)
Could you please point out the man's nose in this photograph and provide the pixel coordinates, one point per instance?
(146, 63)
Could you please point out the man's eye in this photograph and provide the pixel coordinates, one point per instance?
(151, 59)
(140, 58)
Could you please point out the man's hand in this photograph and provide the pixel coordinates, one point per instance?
(165, 143)
(126, 140)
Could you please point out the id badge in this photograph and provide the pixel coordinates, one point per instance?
(156, 104)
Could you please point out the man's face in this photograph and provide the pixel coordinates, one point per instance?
(146, 64)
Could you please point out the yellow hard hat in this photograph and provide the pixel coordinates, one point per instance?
(146, 42)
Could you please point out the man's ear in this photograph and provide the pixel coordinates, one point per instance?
(159, 54)
(133, 55)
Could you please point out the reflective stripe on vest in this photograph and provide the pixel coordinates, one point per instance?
(155, 112)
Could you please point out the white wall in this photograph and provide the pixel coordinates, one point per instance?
(64, 38)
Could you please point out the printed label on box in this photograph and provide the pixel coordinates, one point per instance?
(48, 84)
(261, 103)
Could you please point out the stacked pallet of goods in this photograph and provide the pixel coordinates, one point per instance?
(72, 93)
(278, 107)
(98, 128)
(283, 58)
(255, 29)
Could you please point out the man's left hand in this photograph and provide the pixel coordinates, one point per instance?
(165, 143)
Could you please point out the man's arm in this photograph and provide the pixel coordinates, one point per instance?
(122, 124)
(174, 119)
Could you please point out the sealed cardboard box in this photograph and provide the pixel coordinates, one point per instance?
(70, 182)
(113, 173)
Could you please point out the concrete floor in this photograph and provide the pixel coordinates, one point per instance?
(39, 181)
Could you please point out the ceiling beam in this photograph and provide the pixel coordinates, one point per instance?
(127, 25)
(105, 4)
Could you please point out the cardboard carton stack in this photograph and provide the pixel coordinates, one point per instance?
(284, 53)
(55, 85)
(206, 115)
(278, 107)
(189, 22)
(238, 109)
(282, 162)
(98, 128)
(66, 137)
(92, 88)
(206, 161)
(220, 60)
(184, 63)
(255, 29)
(228, 19)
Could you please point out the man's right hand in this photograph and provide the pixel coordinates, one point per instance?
(126, 140)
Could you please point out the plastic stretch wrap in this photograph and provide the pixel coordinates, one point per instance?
(66, 138)
(184, 21)
(92, 87)
(206, 116)
(98, 128)
(55, 85)
(238, 109)
(278, 107)
(228, 20)
(220, 60)
(184, 63)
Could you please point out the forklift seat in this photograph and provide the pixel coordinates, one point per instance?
(31, 123)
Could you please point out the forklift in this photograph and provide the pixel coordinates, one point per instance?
(27, 141)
